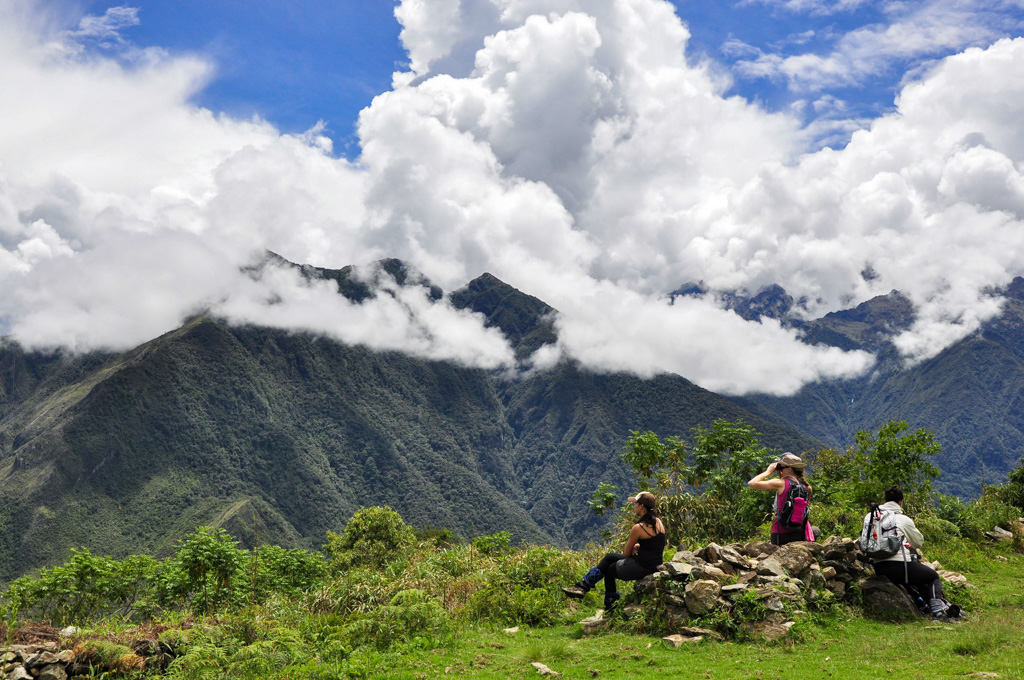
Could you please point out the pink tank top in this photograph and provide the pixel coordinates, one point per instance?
(780, 500)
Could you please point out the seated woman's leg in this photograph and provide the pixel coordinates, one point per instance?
(590, 579)
(919, 576)
(626, 569)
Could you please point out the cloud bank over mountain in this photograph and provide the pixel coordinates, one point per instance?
(568, 147)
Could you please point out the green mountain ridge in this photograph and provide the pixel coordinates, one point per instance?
(971, 395)
(280, 436)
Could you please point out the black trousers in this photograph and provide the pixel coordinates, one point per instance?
(615, 566)
(791, 537)
(918, 576)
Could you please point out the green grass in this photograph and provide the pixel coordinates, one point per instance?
(841, 646)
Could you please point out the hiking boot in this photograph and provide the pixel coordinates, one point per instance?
(576, 592)
(611, 601)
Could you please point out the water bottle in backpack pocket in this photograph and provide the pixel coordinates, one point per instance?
(794, 510)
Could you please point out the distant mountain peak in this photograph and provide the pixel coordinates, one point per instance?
(527, 322)
(770, 301)
(356, 282)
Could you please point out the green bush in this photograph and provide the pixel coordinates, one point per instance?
(84, 588)
(973, 519)
(203, 574)
(701, 487)
(273, 569)
(937, 530)
(411, 615)
(373, 537)
(495, 543)
(524, 587)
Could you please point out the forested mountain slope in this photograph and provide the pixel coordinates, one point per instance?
(971, 395)
(279, 436)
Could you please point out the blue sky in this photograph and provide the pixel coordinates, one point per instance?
(296, 63)
(596, 154)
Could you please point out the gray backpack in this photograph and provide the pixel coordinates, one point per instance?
(880, 538)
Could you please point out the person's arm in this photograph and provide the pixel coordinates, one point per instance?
(914, 536)
(634, 536)
(762, 482)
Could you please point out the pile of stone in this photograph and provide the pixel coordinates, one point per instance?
(777, 585)
(1000, 534)
(52, 660)
(44, 661)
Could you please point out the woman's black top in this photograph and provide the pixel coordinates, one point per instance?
(651, 551)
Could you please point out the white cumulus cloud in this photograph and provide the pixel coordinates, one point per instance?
(569, 147)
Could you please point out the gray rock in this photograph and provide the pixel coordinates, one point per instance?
(19, 673)
(690, 631)
(43, 658)
(701, 596)
(838, 588)
(746, 576)
(770, 567)
(732, 556)
(884, 599)
(678, 570)
(676, 616)
(794, 557)
(648, 585)
(711, 553)
(833, 548)
(52, 672)
(684, 556)
(708, 572)
(758, 548)
(725, 567)
(767, 630)
(735, 588)
(999, 534)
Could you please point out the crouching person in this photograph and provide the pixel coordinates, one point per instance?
(903, 568)
(641, 556)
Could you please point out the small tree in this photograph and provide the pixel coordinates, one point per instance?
(703, 485)
(894, 458)
(373, 537)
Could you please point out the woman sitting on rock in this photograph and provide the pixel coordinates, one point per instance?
(790, 470)
(903, 567)
(643, 553)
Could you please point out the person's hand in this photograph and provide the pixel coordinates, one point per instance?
(771, 467)
(636, 550)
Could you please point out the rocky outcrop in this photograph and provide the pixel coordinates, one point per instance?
(54, 660)
(44, 661)
(764, 589)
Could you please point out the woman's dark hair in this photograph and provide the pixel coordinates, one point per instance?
(799, 474)
(650, 517)
(893, 494)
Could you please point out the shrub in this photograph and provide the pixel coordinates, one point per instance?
(937, 530)
(891, 457)
(524, 587)
(702, 487)
(274, 569)
(973, 519)
(204, 571)
(411, 614)
(85, 587)
(499, 542)
(373, 537)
